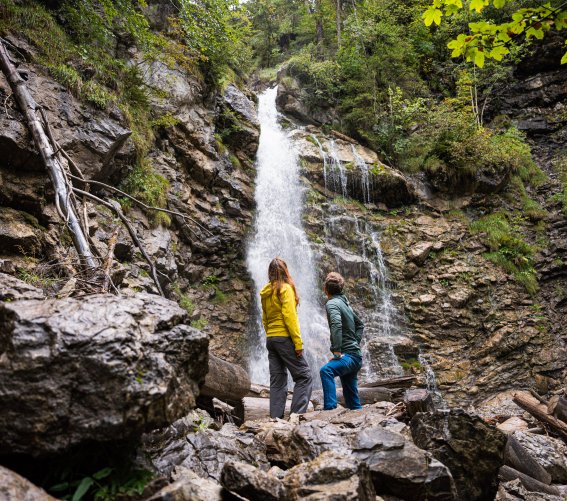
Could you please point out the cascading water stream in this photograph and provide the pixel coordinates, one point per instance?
(279, 232)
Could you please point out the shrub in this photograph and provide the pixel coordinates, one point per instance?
(507, 247)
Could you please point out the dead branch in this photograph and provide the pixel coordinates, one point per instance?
(115, 207)
(142, 204)
(29, 108)
(108, 261)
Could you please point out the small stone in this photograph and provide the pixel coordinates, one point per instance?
(426, 299)
(515, 423)
(419, 252)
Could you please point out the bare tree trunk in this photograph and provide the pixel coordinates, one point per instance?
(54, 168)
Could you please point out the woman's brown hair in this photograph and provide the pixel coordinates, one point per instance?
(278, 274)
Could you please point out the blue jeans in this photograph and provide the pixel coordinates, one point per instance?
(347, 369)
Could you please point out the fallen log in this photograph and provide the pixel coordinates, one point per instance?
(539, 410)
(55, 170)
(367, 396)
(516, 456)
(225, 381)
(344, 137)
(394, 382)
(418, 400)
(259, 408)
(505, 474)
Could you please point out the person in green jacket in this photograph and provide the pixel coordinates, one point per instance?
(346, 333)
(285, 346)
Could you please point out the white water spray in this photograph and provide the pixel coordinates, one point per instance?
(279, 232)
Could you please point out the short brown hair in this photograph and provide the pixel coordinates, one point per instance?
(334, 283)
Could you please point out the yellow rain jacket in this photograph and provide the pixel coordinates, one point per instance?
(280, 317)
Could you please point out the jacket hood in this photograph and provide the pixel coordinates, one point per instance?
(266, 291)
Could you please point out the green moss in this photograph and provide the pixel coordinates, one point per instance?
(508, 249)
(166, 121)
(234, 161)
(411, 364)
(144, 183)
(200, 323)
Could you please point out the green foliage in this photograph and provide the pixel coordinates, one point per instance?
(184, 300)
(491, 36)
(166, 121)
(508, 249)
(143, 183)
(217, 31)
(210, 280)
(106, 484)
(411, 365)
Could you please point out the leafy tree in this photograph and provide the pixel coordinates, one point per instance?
(493, 36)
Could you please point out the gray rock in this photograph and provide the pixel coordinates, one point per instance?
(103, 368)
(331, 476)
(12, 288)
(189, 486)
(515, 491)
(16, 233)
(418, 252)
(470, 448)
(13, 487)
(400, 468)
(252, 483)
(189, 444)
(549, 452)
(241, 104)
(88, 135)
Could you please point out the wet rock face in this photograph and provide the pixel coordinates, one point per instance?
(101, 368)
(12, 486)
(471, 449)
(88, 135)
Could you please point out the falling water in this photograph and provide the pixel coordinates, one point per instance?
(431, 382)
(364, 174)
(279, 232)
(337, 171)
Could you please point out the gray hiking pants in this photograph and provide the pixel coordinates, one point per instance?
(282, 357)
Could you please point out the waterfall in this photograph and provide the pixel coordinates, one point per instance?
(365, 180)
(383, 324)
(279, 232)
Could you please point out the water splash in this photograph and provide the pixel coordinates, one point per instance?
(279, 232)
(337, 171)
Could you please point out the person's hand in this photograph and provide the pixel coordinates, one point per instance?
(298, 353)
(338, 355)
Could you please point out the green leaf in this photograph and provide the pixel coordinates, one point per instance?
(499, 3)
(102, 473)
(82, 489)
(477, 5)
(432, 15)
(499, 52)
(60, 487)
(564, 58)
(479, 59)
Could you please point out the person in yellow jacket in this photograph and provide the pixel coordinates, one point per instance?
(285, 346)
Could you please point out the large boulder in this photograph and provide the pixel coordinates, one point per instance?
(550, 453)
(400, 468)
(189, 444)
(13, 487)
(469, 447)
(102, 368)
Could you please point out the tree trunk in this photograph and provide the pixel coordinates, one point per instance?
(259, 408)
(531, 484)
(338, 4)
(539, 410)
(54, 168)
(394, 382)
(558, 407)
(225, 381)
(418, 400)
(518, 458)
(367, 396)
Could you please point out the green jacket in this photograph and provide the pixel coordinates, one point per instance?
(346, 328)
